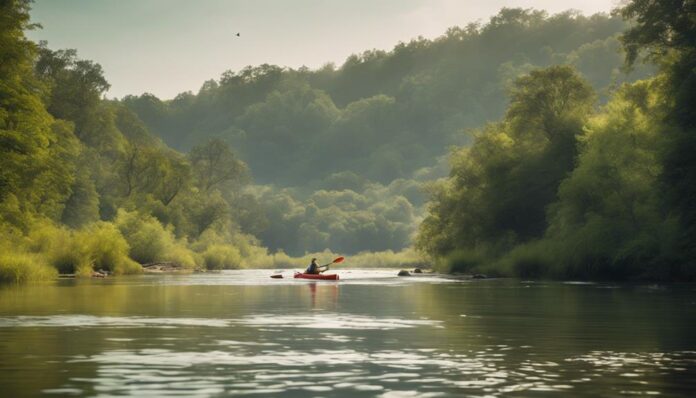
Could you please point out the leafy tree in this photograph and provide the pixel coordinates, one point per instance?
(665, 31)
(499, 188)
(214, 164)
(36, 152)
(76, 85)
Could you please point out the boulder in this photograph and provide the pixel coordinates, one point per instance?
(403, 272)
(417, 271)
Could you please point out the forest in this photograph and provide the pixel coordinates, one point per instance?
(532, 145)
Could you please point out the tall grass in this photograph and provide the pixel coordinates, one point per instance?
(25, 267)
(98, 246)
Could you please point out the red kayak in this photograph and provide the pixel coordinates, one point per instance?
(332, 277)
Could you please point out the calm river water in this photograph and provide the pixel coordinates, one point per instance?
(370, 334)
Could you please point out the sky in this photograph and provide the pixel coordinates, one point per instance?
(166, 47)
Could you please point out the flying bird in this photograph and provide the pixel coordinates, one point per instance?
(237, 34)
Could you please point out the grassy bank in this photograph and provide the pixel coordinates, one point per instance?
(122, 246)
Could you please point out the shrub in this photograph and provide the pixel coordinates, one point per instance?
(58, 246)
(150, 241)
(463, 261)
(107, 248)
(21, 268)
(218, 256)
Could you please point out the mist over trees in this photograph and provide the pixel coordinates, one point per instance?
(381, 117)
(383, 114)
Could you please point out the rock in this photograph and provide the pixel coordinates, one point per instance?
(479, 276)
(403, 272)
(417, 271)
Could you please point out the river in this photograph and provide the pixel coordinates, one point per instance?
(369, 334)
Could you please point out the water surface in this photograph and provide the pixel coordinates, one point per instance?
(370, 334)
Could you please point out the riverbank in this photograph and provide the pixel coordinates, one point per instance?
(98, 259)
(541, 262)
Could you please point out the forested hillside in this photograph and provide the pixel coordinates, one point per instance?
(555, 189)
(383, 115)
(342, 152)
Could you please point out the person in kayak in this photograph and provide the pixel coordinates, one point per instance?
(314, 268)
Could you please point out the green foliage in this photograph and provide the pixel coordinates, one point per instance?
(556, 188)
(107, 249)
(609, 219)
(221, 257)
(215, 164)
(382, 114)
(35, 150)
(151, 242)
(499, 187)
(75, 85)
(82, 206)
(374, 218)
(666, 33)
(22, 268)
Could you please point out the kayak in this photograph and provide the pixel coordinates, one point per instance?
(332, 277)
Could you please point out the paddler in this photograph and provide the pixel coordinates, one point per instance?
(315, 268)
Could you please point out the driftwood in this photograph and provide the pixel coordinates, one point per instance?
(163, 266)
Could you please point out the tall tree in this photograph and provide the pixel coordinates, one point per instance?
(35, 151)
(214, 164)
(500, 187)
(665, 32)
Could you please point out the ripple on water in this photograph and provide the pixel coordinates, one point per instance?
(245, 370)
(262, 321)
(336, 321)
(106, 321)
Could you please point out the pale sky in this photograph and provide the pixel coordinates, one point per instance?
(168, 46)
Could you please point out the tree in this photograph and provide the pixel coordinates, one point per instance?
(500, 187)
(36, 152)
(76, 85)
(665, 31)
(661, 27)
(214, 164)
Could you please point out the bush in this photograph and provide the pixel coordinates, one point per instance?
(150, 241)
(21, 268)
(463, 261)
(107, 249)
(532, 260)
(222, 257)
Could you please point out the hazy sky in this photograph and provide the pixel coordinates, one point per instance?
(169, 46)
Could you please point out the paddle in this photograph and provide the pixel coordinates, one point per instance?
(335, 261)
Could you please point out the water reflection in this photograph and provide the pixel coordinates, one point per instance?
(328, 294)
(379, 337)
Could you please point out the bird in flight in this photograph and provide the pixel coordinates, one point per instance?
(237, 34)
